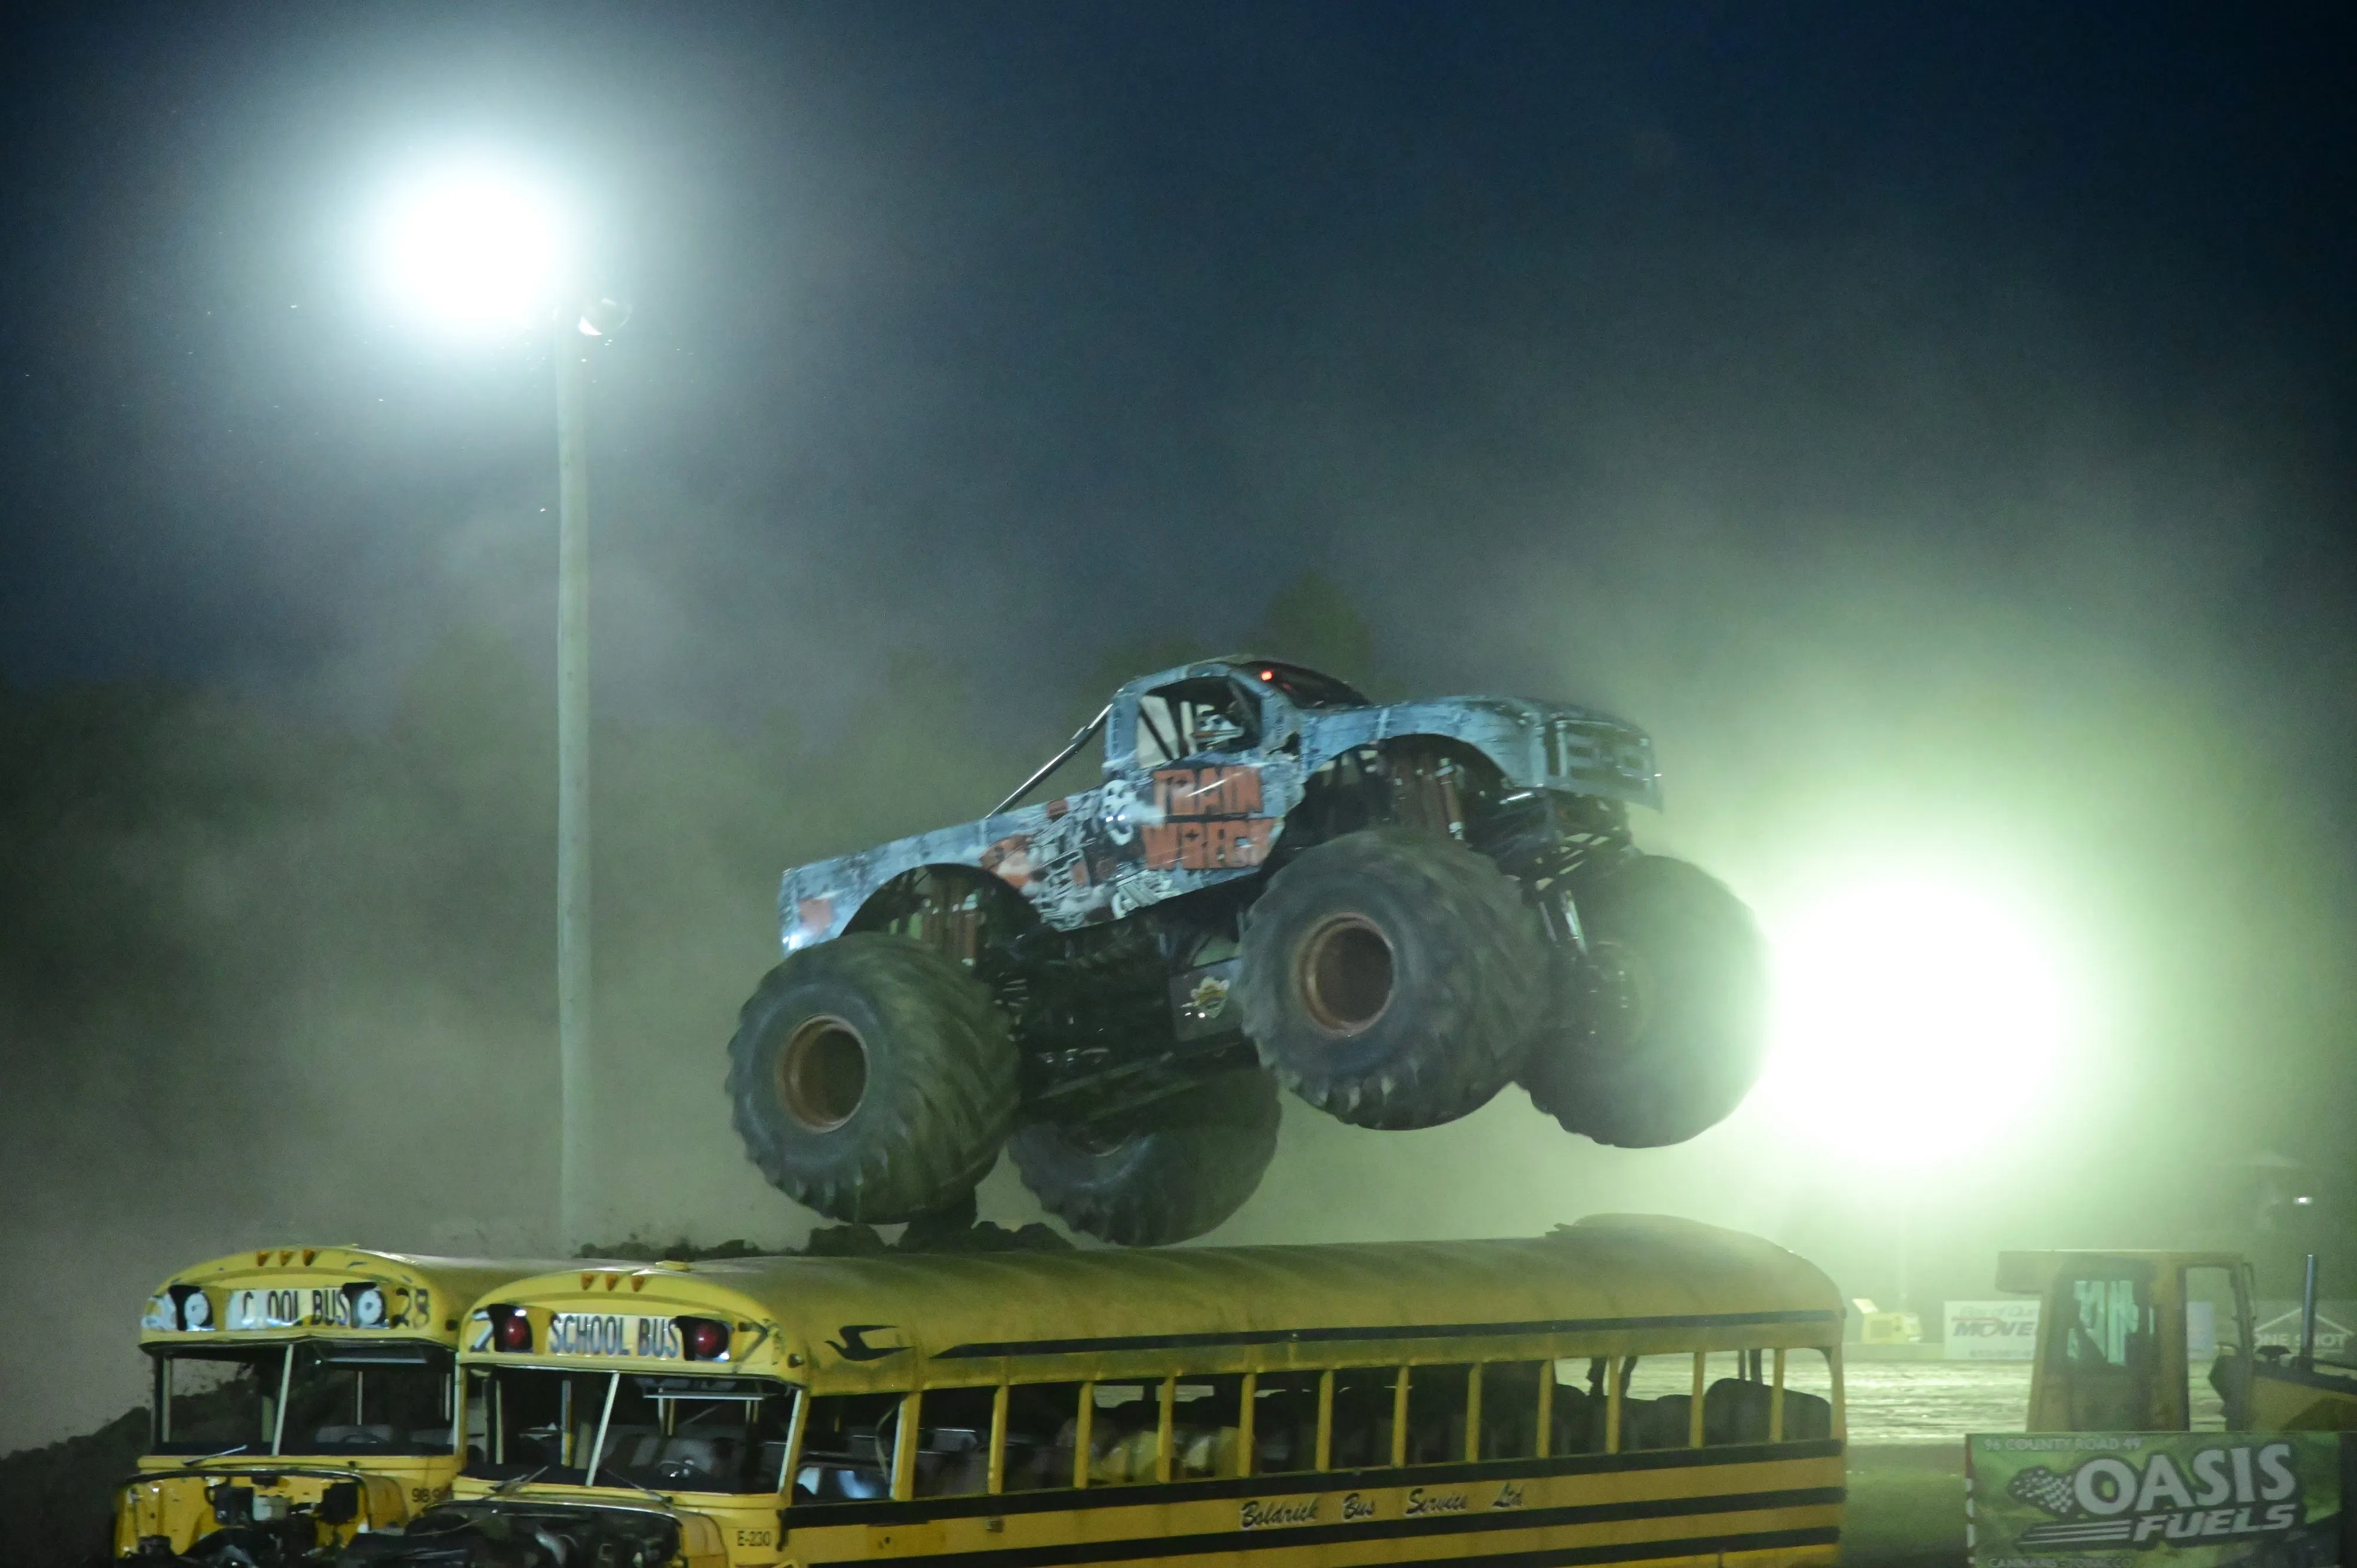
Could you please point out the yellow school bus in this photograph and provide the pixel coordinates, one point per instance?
(1626, 1390)
(302, 1395)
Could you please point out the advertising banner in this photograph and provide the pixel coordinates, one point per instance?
(1991, 1330)
(2154, 1499)
(2278, 1323)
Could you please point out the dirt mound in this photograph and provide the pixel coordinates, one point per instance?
(58, 1499)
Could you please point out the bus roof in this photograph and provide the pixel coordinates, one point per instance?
(279, 1293)
(969, 1317)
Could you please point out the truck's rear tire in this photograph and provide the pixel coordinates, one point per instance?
(1392, 979)
(871, 1078)
(1664, 1023)
(1190, 1163)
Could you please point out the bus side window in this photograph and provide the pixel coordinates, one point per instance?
(1362, 1417)
(1042, 1425)
(1437, 1398)
(1206, 1421)
(1576, 1424)
(1510, 1408)
(1656, 1402)
(953, 1446)
(1808, 1395)
(1735, 1399)
(1284, 1424)
(1121, 1434)
(847, 1448)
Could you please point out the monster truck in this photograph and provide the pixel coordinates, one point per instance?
(1390, 910)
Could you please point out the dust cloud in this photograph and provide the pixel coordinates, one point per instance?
(1916, 536)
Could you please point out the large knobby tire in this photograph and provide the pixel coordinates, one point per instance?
(1666, 1023)
(1189, 1163)
(871, 1078)
(1392, 979)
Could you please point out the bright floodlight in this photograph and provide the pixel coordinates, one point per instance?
(473, 246)
(1913, 1020)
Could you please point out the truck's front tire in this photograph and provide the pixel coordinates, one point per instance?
(1188, 1163)
(1392, 979)
(871, 1078)
(1665, 1023)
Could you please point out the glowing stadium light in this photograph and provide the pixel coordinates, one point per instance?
(1914, 1020)
(473, 246)
(478, 248)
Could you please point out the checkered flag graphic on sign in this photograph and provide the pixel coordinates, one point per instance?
(2042, 1488)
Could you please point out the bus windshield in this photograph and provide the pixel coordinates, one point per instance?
(337, 1398)
(663, 1432)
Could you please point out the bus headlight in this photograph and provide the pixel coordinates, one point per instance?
(196, 1309)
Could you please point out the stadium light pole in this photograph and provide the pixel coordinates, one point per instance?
(475, 248)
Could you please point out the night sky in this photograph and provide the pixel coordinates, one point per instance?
(1933, 424)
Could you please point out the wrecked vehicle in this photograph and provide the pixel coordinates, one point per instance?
(301, 1397)
(493, 1534)
(1391, 911)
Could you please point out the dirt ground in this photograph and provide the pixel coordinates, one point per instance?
(1906, 1426)
(1905, 1505)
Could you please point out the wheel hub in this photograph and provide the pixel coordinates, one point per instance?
(1621, 986)
(823, 1073)
(1343, 973)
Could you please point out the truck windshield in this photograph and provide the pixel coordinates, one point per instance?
(606, 1429)
(311, 1397)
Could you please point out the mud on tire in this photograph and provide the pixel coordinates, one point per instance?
(1189, 1163)
(871, 1078)
(1392, 979)
(1664, 1025)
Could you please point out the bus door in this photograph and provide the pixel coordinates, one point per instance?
(2117, 1324)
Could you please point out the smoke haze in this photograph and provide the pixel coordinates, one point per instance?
(1934, 433)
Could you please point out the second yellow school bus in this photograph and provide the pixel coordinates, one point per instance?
(1625, 1389)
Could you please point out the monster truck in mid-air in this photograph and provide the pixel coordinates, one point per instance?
(1390, 910)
